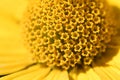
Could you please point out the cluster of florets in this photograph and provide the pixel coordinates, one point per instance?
(65, 33)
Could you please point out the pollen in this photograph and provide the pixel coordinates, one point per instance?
(67, 33)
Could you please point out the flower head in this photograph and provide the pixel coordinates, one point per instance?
(61, 21)
(68, 39)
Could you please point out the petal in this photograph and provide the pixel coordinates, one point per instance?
(108, 72)
(10, 58)
(82, 75)
(78, 74)
(87, 74)
(13, 8)
(115, 2)
(41, 72)
(101, 73)
(115, 59)
(10, 37)
(111, 56)
(13, 54)
(57, 74)
(6, 68)
(116, 65)
(30, 73)
(92, 75)
(112, 72)
(73, 74)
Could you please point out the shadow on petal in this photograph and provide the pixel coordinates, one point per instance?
(100, 67)
(114, 45)
(32, 72)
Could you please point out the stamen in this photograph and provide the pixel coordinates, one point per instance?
(67, 33)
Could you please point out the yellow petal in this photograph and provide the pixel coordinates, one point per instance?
(112, 72)
(101, 73)
(111, 56)
(13, 54)
(62, 75)
(92, 75)
(8, 58)
(115, 2)
(13, 8)
(57, 74)
(109, 70)
(116, 65)
(78, 74)
(26, 74)
(115, 59)
(10, 37)
(73, 73)
(41, 72)
(82, 75)
(7, 68)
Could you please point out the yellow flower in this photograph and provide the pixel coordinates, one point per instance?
(90, 51)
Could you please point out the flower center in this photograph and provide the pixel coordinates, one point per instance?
(66, 33)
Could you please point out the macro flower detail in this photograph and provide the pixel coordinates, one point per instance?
(59, 40)
(67, 33)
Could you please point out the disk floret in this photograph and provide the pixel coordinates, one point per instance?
(66, 33)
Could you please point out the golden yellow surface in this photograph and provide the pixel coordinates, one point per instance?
(12, 50)
(10, 43)
(12, 7)
(11, 10)
(114, 2)
(64, 35)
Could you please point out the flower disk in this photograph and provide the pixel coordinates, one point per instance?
(67, 33)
